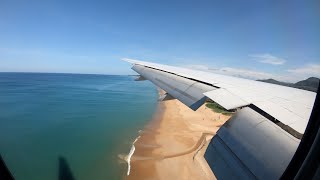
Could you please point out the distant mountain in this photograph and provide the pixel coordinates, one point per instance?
(310, 84)
(272, 81)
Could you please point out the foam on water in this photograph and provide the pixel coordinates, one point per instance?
(130, 154)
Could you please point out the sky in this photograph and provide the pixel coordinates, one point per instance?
(251, 39)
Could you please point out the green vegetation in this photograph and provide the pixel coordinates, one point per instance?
(218, 109)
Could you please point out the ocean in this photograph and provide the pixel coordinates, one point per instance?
(71, 124)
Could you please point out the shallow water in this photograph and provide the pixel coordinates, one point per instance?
(87, 120)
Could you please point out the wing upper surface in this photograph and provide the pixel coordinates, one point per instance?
(289, 105)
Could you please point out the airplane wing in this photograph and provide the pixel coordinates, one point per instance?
(291, 106)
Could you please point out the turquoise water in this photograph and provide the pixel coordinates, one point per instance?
(86, 119)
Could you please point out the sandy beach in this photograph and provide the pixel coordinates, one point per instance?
(172, 145)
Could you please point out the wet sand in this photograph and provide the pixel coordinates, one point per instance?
(172, 145)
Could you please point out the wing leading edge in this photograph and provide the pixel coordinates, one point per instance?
(290, 106)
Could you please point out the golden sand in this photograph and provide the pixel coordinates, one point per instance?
(173, 144)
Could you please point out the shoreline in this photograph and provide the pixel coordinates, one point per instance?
(154, 123)
(130, 155)
(172, 144)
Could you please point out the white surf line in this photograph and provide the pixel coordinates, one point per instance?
(130, 154)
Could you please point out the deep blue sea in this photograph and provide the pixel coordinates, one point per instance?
(52, 122)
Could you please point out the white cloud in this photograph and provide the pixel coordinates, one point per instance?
(238, 72)
(197, 67)
(309, 70)
(268, 59)
(248, 73)
(128, 59)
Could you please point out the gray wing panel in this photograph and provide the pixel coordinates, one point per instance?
(187, 91)
(226, 99)
(259, 145)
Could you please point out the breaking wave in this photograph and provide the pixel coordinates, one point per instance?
(130, 155)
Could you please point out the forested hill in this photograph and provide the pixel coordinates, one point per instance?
(310, 84)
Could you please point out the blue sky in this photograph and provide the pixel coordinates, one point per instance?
(253, 39)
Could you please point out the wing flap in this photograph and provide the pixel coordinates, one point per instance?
(282, 114)
(226, 99)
